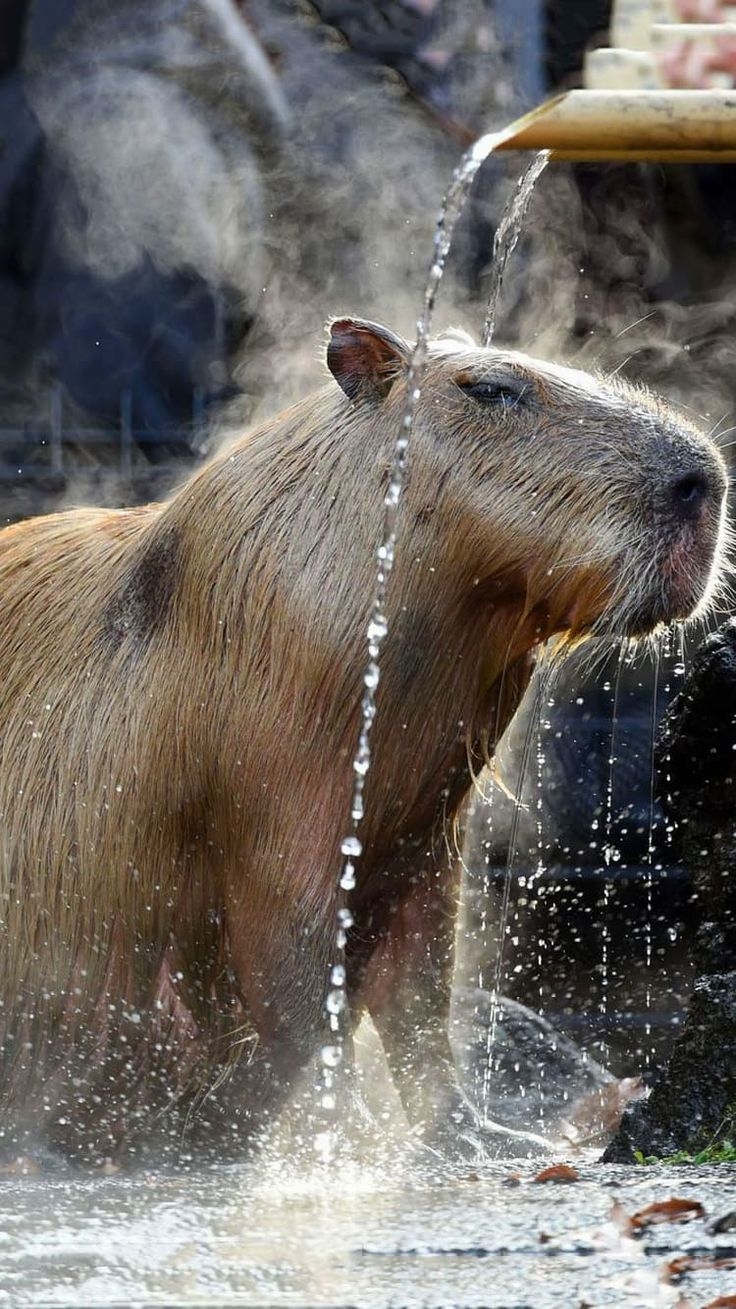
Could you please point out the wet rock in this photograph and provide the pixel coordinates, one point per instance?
(693, 1102)
(697, 764)
(540, 1080)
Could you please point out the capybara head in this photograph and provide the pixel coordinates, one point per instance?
(583, 501)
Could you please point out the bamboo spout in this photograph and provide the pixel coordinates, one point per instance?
(630, 126)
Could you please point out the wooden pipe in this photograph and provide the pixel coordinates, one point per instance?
(666, 126)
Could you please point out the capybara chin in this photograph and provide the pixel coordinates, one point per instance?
(179, 708)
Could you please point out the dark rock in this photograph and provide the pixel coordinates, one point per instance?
(693, 1104)
(697, 766)
(540, 1080)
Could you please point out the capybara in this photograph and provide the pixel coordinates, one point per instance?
(179, 708)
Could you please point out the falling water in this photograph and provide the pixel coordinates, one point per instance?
(507, 235)
(610, 853)
(351, 846)
(541, 687)
(651, 849)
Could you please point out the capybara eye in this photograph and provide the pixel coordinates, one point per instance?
(507, 392)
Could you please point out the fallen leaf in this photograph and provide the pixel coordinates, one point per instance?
(594, 1118)
(690, 1263)
(722, 1302)
(558, 1173)
(667, 1211)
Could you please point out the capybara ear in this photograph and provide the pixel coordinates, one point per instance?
(364, 357)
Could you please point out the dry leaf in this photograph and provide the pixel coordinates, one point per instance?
(692, 1263)
(667, 1211)
(558, 1173)
(595, 1117)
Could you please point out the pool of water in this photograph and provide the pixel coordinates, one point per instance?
(390, 1234)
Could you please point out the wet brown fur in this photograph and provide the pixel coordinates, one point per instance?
(178, 712)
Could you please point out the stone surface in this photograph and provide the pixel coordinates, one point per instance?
(693, 1102)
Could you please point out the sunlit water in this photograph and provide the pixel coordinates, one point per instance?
(377, 1237)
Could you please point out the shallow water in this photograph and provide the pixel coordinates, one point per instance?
(378, 1236)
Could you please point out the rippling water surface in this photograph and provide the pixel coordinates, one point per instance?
(375, 1236)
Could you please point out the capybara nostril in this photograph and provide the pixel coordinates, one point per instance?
(691, 491)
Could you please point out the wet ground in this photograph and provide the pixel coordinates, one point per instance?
(397, 1235)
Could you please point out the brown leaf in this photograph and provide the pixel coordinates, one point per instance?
(595, 1117)
(558, 1173)
(722, 1302)
(692, 1263)
(667, 1211)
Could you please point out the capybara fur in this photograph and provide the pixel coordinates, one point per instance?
(179, 706)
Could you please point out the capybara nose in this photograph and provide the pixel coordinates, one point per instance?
(691, 492)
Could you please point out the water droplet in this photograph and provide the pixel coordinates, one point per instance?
(331, 1056)
(337, 975)
(377, 628)
(372, 676)
(351, 847)
(345, 919)
(347, 880)
(335, 1002)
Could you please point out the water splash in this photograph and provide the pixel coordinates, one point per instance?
(507, 235)
(351, 848)
(540, 691)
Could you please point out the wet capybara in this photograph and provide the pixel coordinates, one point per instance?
(179, 709)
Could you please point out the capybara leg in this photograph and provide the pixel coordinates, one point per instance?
(281, 962)
(406, 987)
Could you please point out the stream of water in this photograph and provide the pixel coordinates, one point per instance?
(351, 847)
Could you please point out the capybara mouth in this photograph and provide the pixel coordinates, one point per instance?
(680, 586)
